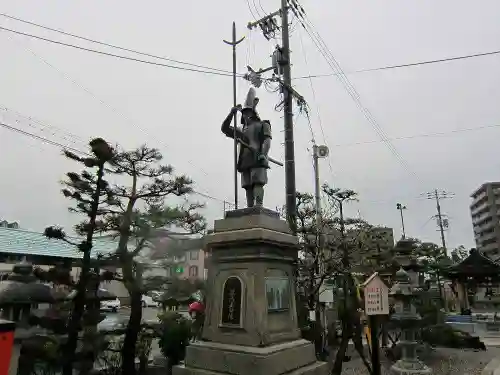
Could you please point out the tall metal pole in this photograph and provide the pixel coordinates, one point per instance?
(402, 222)
(400, 207)
(287, 108)
(317, 199)
(234, 43)
(320, 268)
(441, 228)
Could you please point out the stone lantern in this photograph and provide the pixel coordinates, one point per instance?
(407, 319)
(22, 273)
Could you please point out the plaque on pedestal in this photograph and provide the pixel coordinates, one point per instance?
(232, 302)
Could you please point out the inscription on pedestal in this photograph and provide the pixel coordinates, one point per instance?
(232, 300)
(277, 293)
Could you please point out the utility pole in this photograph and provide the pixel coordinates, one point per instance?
(317, 199)
(287, 108)
(442, 220)
(319, 152)
(401, 207)
(442, 226)
(341, 197)
(281, 67)
(233, 43)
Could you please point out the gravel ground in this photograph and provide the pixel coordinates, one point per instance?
(442, 361)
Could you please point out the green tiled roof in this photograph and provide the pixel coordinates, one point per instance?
(22, 242)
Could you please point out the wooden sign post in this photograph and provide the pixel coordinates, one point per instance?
(376, 303)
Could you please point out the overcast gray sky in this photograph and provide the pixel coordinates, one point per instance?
(89, 95)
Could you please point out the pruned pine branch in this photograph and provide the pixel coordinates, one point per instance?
(139, 246)
(56, 275)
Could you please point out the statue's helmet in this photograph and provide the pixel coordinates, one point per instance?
(250, 105)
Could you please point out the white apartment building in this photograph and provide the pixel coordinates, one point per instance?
(485, 214)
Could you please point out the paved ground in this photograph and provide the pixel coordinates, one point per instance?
(442, 361)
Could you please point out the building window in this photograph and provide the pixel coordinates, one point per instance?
(193, 271)
(194, 255)
(181, 258)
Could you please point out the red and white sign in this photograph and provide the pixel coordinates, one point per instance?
(376, 296)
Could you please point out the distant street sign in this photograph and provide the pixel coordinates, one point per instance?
(376, 296)
(179, 270)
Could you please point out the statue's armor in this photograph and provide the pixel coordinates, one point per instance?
(253, 171)
(252, 159)
(253, 134)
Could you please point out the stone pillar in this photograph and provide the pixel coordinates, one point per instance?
(251, 322)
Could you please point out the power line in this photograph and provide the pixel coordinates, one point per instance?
(30, 121)
(108, 106)
(320, 122)
(115, 55)
(334, 65)
(425, 135)
(101, 101)
(75, 150)
(111, 45)
(42, 139)
(426, 62)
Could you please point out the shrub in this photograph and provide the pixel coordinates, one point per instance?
(174, 337)
(443, 335)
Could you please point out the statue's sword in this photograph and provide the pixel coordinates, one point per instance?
(245, 144)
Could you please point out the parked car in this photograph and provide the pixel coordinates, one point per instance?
(148, 301)
(156, 295)
(113, 324)
(111, 305)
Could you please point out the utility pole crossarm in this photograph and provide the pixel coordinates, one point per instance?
(252, 25)
(442, 224)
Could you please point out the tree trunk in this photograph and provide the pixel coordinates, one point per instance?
(78, 310)
(143, 364)
(340, 355)
(132, 333)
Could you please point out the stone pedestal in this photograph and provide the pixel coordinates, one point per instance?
(251, 322)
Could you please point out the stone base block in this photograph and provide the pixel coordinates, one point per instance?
(317, 368)
(296, 357)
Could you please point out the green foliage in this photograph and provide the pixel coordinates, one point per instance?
(150, 186)
(40, 354)
(110, 357)
(459, 254)
(443, 335)
(175, 336)
(330, 235)
(429, 311)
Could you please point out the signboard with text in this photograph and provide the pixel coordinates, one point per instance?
(376, 296)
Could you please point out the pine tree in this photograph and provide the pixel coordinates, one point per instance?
(89, 191)
(136, 211)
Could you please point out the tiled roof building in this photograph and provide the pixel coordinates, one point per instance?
(27, 243)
